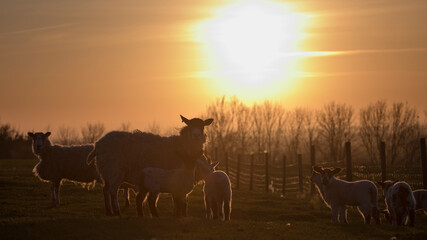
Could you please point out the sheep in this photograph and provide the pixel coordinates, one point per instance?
(217, 192)
(400, 202)
(61, 162)
(421, 200)
(337, 194)
(120, 156)
(57, 163)
(179, 182)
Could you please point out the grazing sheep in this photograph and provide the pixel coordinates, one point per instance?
(120, 156)
(61, 162)
(337, 194)
(217, 191)
(400, 202)
(421, 200)
(64, 162)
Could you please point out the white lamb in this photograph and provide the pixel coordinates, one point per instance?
(400, 202)
(337, 194)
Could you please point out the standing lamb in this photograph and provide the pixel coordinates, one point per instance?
(64, 162)
(217, 191)
(400, 202)
(421, 200)
(120, 156)
(337, 194)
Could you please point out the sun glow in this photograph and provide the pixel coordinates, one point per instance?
(250, 48)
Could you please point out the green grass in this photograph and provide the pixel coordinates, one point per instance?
(24, 214)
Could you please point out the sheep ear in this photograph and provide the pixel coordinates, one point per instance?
(318, 169)
(184, 120)
(208, 122)
(395, 181)
(336, 171)
(214, 164)
(47, 134)
(30, 134)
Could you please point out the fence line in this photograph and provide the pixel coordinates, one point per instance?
(259, 173)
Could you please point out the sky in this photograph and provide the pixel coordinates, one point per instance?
(67, 63)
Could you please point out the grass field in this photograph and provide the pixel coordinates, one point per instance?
(24, 214)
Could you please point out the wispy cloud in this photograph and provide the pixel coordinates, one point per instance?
(353, 52)
(38, 29)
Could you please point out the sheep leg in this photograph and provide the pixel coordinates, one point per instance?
(376, 215)
(126, 197)
(107, 200)
(334, 213)
(115, 201)
(220, 210)
(140, 197)
(57, 187)
(214, 207)
(208, 209)
(177, 206)
(412, 217)
(227, 210)
(366, 213)
(152, 203)
(184, 210)
(52, 194)
(342, 215)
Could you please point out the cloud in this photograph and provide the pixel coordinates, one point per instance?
(38, 29)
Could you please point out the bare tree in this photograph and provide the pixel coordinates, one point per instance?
(257, 126)
(125, 126)
(403, 121)
(373, 128)
(67, 136)
(241, 113)
(92, 132)
(335, 127)
(154, 128)
(220, 131)
(295, 131)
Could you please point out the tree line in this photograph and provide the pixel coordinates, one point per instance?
(269, 126)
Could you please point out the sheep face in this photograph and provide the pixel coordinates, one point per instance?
(326, 173)
(386, 185)
(40, 141)
(204, 169)
(316, 178)
(197, 136)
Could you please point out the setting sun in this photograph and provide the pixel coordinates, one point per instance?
(249, 45)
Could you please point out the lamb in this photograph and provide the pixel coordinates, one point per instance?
(179, 182)
(421, 200)
(120, 156)
(337, 194)
(57, 163)
(400, 202)
(217, 192)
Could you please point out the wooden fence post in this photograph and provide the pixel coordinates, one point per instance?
(238, 171)
(267, 177)
(383, 162)
(300, 172)
(348, 160)
(226, 163)
(424, 161)
(251, 180)
(284, 176)
(313, 163)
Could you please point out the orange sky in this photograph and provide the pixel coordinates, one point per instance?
(73, 62)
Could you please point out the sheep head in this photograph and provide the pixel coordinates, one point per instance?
(386, 185)
(326, 173)
(40, 141)
(194, 135)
